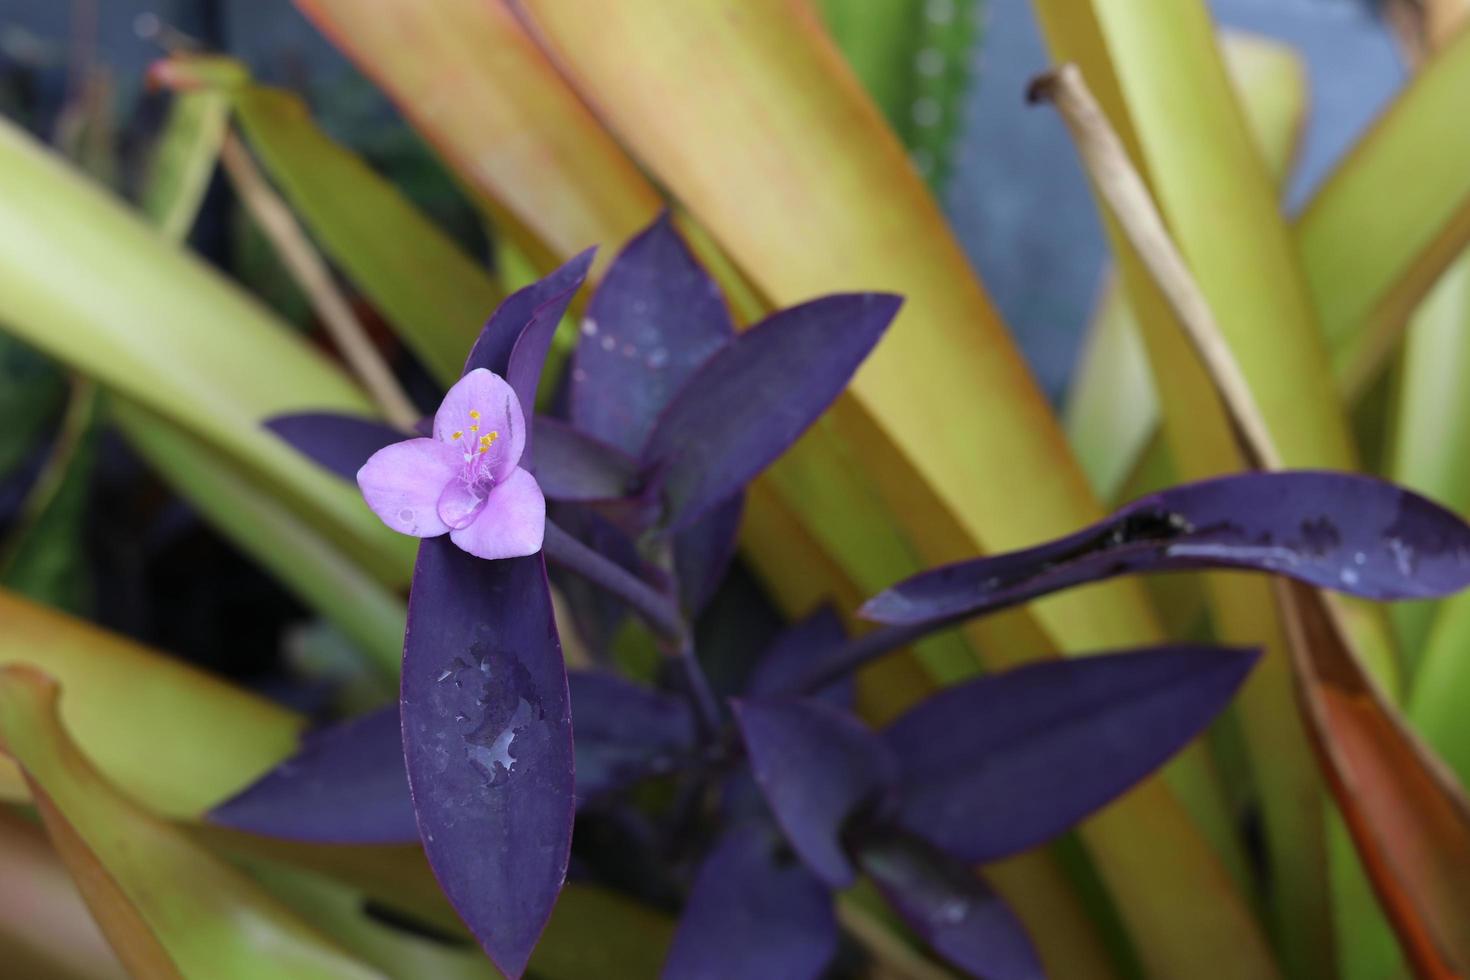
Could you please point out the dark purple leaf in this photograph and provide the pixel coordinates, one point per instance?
(950, 907)
(625, 732)
(703, 552)
(341, 443)
(655, 318)
(755, 913)
(748, 403)
(817, 766)
(487, 734)
(787, 660)
(345, 785)
(1340, 531)
(534, 310)
(1005, 762)
(597, 613)
(572, 465)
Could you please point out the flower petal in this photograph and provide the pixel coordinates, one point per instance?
(512, 523)
(402, 483)
(499, 411)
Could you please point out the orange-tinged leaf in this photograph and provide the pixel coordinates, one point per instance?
(45, 929)
(167, 906)
(781, 157)
(175, 739)
(1407, 816)
(474, 83)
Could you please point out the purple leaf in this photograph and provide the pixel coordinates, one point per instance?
(1338, 531)
(749, 402)
(597, 613)
(341, 443)
(950, 907)
(754, 913)
(1005, 762)
(534, 311)
(703, 552)
(487, 735)
(345, 785)
(795, 651)
(625, 732)
(572, 465)
(655, 318)
(817, 766)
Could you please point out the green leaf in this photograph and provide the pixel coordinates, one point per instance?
(287, 546)
(173, 738)
(915, 61)
(436, 297)
(1432, 414)
(184, 160)
(153, 323)
(45, 556)
(1369, 264)
(168, 907)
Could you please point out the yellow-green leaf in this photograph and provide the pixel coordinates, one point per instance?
(173, 738)
(168, 907)
(778, 128)
(435, 296)
(86, 281)
(184, 159)
(1391, 217)
(292, 549)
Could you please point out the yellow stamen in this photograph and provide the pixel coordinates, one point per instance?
(457, 435)
(474, 414)
(474, 428)
(494, 434)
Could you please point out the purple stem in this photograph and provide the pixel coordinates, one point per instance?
(857, 652)
(655, 608)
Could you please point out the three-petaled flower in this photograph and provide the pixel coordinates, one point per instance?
(466, 480)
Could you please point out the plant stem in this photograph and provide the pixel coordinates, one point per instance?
(311, 273)
(655, 608)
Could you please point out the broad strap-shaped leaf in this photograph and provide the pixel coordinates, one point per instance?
(746, 405)
(168, 907)
(1340, 531)
(625, 732)
(341, 443)
(950, 906)
(754, 913)
(535, 309)
(574, 465)
(1005, 762)
(792, 655)
(173, 738)
(140, 336)
(1408, 817)
(487, 736)
(818, 767)
(655, 318)
(345, 785)
(427, 287)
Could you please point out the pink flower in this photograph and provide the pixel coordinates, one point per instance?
(465, 480)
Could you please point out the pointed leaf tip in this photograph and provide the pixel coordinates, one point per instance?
(340, 443)
(1055, 740)
(1339, 531)
(753, 399)
(487, 738)
(345, 785)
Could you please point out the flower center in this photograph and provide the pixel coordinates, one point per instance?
(464, 498)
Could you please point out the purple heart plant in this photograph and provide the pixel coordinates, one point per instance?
(736, 782)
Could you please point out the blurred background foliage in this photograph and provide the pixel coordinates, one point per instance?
(308, 616)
